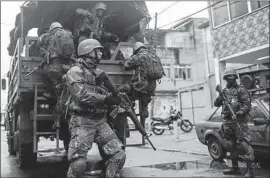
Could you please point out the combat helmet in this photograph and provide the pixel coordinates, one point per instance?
(101, 5)
(55, 25)
(230, 71)
(87, 46)
(138, 45)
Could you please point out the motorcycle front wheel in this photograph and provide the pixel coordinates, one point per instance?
(186, 125)
(157, 131)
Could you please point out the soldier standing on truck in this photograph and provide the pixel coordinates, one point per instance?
(236, 136)
(89, 24)
(88, 108)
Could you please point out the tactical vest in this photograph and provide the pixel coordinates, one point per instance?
(234, 96)
(89, 81)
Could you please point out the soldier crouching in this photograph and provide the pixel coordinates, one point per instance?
(88, 106)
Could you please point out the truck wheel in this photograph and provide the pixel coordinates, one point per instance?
(25, 155)
(10, 140)
(215, 149)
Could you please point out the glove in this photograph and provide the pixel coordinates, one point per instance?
(112, 100)
(239, 113)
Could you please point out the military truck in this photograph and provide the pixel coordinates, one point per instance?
(30, 115)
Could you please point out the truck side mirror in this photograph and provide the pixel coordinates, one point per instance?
(4, 84)
(260, 121)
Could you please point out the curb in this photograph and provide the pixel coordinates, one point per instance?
(181, 151)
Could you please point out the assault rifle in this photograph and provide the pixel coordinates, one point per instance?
(227, 103)
(124, 107)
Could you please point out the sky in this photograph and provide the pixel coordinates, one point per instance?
(9, 10)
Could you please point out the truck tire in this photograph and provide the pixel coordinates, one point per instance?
(10, 140)
(25, 156)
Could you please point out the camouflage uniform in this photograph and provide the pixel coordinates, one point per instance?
(141, 86)
(86, 22)
(237, 140)
(88, 122)
(88, 25)
(56, 66)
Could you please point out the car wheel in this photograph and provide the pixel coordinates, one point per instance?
(215, 148)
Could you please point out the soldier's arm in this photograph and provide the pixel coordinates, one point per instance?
(79, 92)
(244, 100)
(132, 62)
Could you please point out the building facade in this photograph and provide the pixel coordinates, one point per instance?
(240, 34)
(188, 66)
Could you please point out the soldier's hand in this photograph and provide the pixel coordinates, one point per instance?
(112, 100)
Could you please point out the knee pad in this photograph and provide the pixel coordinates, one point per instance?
(77, 168)
(243, 148)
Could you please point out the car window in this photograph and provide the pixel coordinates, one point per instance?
(256, 111)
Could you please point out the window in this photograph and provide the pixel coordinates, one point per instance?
(220, 13)
(238, 8)
(225, 11)
(182, 72)
(258, 4)
(166, 68)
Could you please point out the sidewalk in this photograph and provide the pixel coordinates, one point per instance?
(187, 142)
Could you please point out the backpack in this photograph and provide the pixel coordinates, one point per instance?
(155, 69)
(62, 43)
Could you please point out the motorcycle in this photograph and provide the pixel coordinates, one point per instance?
(159, 125)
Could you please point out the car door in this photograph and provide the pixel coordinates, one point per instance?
(259, 134)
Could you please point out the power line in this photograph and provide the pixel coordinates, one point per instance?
(190, 15)
(166, 8)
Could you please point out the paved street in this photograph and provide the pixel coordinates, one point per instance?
(141, 161)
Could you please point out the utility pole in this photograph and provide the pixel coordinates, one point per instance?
(156, 20)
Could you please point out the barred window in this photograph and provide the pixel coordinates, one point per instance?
(182, 72)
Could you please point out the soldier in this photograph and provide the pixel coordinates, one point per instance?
(236, 138)
(90, 24)
(141, 86)
(57, 49)
(87, 106)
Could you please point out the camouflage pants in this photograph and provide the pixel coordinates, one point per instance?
(84, 131)
(237, 140)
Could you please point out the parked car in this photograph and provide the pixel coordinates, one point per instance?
(209, 132)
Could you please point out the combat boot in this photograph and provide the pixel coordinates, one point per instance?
(112, 170)
(250, 170)
(234, 170)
